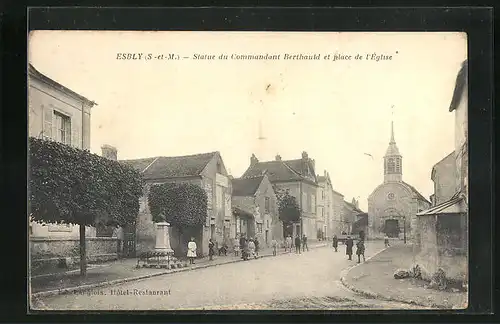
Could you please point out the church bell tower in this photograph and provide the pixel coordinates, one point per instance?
(393, 161)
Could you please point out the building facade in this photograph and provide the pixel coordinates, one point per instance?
(299, 178)
(350, 211)
(393, 205)
(325, 207)
(205, 170)
(444, 177)
(256, 197)
(444, 227)
(57, 113)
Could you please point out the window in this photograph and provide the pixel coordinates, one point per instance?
(391, 166)
(267, 223)
(267, 204)
(259, 228)
(62, 128)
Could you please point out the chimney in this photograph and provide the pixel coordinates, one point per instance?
(278, 157)
(325, 174)
(109, 152)
(313, 162)
(304, 156)
(253, 160)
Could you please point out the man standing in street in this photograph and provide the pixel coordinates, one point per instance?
(274, 245)
(360, 250)
(349, 244)
(335, 242)
(304, 243)
(297, 244)
(288, 243)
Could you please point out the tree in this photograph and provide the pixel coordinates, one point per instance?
(180, 204)
(72, 186)
(288, 208)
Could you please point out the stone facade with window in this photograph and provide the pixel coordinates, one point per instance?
(59, 114)
(328, 213)
(299, 178)
(206, 170)
(255, 196)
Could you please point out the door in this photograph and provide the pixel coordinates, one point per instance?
(129, 243)
(212, 231)
(266, 237)
(392, 227)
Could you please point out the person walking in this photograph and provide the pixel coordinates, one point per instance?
(335, 242)
(244, 249)
(191, 252)
(274, 245)
(251, 248)
(386, 241)
(211, 249)
(297, 244)
(288, 243)
(236, 247)
(256, 242)
(360, 250)
(349, 244)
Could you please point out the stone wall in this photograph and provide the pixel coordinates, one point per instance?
(46, 252)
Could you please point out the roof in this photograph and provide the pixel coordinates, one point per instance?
(416, 192)
(392, 150)
(460, 86)
(246, 186)
(171, 167)
(451, 206)
(353, 206)
(321, 178)
(34, 72)
(290, 170)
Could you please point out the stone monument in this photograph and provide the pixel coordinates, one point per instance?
(163, 238)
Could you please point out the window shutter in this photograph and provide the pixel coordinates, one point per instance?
(47, 122)
(67, 126)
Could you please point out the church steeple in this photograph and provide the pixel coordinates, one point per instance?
(393, 161)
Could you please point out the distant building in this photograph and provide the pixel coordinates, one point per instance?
(255, 209)
(444, 240)
(206, 170)
(325, 207)
(350, 212)
(299, 178)
(59, 114)
(392, 206)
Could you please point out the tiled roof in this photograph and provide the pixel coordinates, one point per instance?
(451, 206)
(321, 178)
(171, 167)
(246, 186)
(416, 192)
(353, 206)
(275, 170)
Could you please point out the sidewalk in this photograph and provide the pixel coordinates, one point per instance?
(375, 279)
(123, 270)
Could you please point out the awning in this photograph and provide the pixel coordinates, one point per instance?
(452, 206)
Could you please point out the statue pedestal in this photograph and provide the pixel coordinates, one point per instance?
(163, 238)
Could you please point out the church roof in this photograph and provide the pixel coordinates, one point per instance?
(393, 148)
(416, 192)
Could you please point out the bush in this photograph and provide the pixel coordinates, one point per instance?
(181, 204)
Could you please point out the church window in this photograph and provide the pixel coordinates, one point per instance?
(391, 166)
(398, 165)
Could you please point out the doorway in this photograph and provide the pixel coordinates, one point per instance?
(267, 237)
(391, 228)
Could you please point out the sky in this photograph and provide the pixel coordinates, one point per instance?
(335, 110)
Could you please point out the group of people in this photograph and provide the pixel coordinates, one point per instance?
(349, 243)
(249, 248)
(298, 243)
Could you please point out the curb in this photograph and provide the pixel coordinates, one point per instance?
(151, 275)
(373, 295)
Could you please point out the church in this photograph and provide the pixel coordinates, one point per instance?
(393, 205)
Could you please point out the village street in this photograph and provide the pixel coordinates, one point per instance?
(285, 281)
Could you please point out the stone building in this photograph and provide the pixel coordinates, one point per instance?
(392, 205)
(443, 243)
(350, 212)
(324, 205)
(57, 113)
(255, 209)
(206, 170)
(299, 178)
(336, 222)
(443, 175)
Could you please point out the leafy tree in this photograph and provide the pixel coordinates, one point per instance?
(288, 208)
(180, 204)
(72, 186)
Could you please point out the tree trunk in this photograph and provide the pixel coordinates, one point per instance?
(83, 253)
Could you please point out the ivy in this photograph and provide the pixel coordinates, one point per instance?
(72, 186)
(288, 208)
(180, 204)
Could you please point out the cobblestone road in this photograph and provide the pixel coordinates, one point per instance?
(309, 280)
